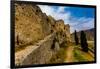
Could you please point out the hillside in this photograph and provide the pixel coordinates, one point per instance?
(89, 34)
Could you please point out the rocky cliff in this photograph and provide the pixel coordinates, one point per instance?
(33, 26)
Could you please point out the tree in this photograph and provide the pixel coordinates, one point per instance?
(83, 41)
(76, 38)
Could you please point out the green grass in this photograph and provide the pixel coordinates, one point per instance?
(59, 57)
(91, 45)
(78, 56)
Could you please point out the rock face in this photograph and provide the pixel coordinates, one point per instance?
(67, 30)
(33, 26)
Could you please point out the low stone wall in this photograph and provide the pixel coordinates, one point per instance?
(40, 55)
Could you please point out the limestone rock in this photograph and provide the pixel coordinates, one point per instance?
(37, 31)
(31, 24)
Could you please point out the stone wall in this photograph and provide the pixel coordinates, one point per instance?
(40, 55)
(39, 34)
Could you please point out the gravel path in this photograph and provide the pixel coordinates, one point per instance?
(69, 54)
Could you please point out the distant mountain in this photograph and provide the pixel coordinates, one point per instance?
(89, 34)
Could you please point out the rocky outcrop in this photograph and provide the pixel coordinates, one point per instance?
(33, 26)
(67, 31)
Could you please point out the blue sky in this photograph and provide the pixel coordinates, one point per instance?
(81, 12)
(78, 18)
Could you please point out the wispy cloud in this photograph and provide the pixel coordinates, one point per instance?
(56, 12)
(82, 24)
(59, 12)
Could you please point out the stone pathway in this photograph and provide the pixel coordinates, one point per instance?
(20, 55)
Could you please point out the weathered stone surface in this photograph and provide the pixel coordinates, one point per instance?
(67, 31)
(57, 47)
(59, 25)
(36, 54)
(41, 34)
(31, 24)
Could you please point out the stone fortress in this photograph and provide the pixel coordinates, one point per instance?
(38, 37)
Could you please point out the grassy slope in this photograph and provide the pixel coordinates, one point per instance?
(73, 53)
(80, 56)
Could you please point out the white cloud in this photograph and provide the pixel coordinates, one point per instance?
(58, 13)
(78, 24)
(82, 24)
